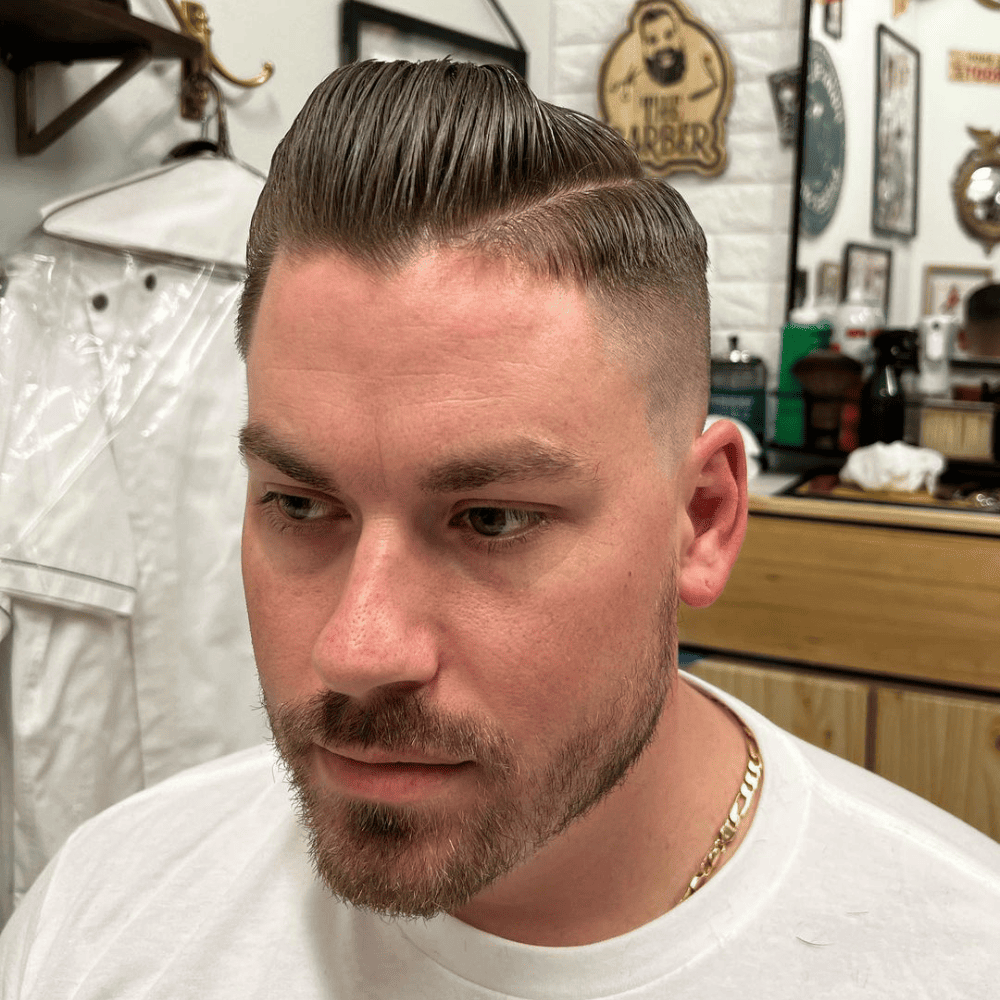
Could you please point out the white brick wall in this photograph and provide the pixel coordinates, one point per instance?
(745, 211)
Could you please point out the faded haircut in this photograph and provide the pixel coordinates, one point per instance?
(390, 160)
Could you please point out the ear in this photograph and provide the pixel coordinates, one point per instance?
(963, 338)
(714, 519)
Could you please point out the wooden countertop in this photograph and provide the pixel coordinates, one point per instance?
(901, 515)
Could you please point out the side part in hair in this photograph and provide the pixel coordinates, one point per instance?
(388, 160)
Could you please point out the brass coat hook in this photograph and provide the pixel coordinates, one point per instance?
(192, 18)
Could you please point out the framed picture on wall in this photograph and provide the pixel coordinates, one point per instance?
(833, 18)
(947, 288)
(371, 32)
(897, 127)
(828, 280)
(867, 271)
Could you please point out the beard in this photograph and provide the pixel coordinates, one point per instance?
(666, 65)
(421, 860)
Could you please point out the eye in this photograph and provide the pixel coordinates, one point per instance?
(499, 522)
(285, 507)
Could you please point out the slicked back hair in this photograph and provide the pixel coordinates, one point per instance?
(387, 161)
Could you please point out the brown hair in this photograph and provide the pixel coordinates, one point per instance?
(387, 160)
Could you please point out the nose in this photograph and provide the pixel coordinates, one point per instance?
(382, 630)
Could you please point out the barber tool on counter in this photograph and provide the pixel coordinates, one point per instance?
(883, 396)
(738, 382)
(832, 384)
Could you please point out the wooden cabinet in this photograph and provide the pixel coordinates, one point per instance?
(912, 603)
(944, 747)
(833, 608)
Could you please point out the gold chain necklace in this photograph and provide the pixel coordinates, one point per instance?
(741, 805)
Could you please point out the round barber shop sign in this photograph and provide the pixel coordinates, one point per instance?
(823, 143)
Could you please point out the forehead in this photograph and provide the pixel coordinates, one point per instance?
(445, 305)
(449, 349)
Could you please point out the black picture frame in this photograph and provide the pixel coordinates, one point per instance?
(368, 31)
(867, 269)
(896, 156)
(833, 18)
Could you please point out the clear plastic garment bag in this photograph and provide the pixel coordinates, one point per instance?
(124, 648)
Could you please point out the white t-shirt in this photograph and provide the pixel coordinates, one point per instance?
(846, 886)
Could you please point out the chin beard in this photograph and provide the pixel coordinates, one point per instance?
(666, 73)
(420, 860)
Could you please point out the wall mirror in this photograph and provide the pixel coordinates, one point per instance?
(892, 108)
(977, 189)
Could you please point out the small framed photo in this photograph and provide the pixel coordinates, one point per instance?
(833, 18)
(947, 288)
(371, 32)
(897, 117)
(867, 272)
(828, 280)
(785, 98)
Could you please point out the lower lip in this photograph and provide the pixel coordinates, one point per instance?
(395, 783)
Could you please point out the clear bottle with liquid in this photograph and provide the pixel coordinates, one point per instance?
(738, 382)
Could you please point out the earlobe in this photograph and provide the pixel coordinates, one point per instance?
(715, 516)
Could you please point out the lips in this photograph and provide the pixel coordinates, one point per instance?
(391, 777)
(377, 757)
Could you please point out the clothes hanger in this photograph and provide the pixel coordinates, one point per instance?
(221, 145)
(195, 206)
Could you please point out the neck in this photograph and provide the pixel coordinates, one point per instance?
(630, 858)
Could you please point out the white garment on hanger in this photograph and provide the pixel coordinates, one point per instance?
(198, 209)
(124, 646)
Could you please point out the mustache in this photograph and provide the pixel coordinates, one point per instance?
(388, 721)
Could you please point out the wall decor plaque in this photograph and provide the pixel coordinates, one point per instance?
(666, 85)
(823, 143)
(974, 67)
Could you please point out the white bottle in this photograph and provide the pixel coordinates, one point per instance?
(855, 324)
(936, 336)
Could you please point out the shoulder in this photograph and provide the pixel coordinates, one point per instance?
(847, 816)
(190, 802)
(849, 877)
(138, 878)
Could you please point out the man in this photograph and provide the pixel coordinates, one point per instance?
(662, 45)
(980, 332)
(476, 345)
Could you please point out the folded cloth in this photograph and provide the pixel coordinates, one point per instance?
(897, 466)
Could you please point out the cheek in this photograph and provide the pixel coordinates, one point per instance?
(559, 650)
(285, 618)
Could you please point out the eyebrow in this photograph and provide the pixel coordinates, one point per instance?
(506, 462)
(257, 440)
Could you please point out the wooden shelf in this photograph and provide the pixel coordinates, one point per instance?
(66, 31)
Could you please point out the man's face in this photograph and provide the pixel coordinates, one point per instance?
(459, 556)
(662, 49)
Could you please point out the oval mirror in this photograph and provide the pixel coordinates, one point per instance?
(977, 189)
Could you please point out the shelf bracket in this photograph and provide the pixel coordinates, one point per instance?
(30, 139)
